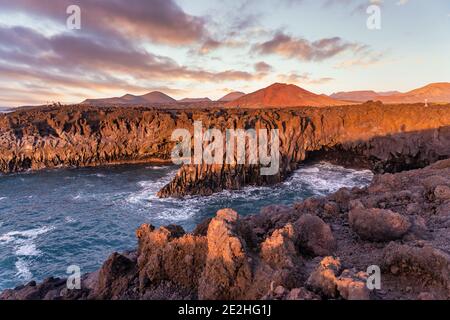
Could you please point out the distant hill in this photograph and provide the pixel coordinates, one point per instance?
(129, 99)
(280, 95)
(231, 96)
(191, 100)
(361, 96)
(434, 92)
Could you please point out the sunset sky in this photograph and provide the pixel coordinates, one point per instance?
(198, 48)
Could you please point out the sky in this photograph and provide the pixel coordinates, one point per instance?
(208, 48)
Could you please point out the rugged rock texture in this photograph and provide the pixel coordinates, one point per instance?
(310, 250)
(371, 135)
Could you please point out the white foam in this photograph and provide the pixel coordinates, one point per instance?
(149, 189)
(23, 270)
(24, 241)
(28, 249)
(327, 178)
(3, 198)
(31, 233)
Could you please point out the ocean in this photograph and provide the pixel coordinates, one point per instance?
(52, 219)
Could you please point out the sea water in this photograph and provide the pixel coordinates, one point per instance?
(52, 219)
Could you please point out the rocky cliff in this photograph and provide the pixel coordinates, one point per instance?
(320, 248)
(383, 137)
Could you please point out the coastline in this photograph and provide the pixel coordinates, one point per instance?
(79, 136)
(316, 249)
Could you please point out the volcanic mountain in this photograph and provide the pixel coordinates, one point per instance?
(231, 96)
(152, 97)
(361, 96)
(434, 92)
(191, 100)
(280, 95)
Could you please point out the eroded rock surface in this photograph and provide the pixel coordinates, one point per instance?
(310, 250)
(370, 135)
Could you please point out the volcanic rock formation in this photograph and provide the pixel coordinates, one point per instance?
(371, 136)
(384, 138)
(315, 249)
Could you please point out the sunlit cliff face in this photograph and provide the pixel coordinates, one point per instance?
(201, 48)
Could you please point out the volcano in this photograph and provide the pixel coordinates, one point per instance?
(280, 95)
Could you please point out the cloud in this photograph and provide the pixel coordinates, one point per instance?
(302, 49)
(361, 60)
(161, 21)
(263, 67)
(74, 63)
(304, 78)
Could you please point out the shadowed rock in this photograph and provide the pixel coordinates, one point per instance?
(315, 236)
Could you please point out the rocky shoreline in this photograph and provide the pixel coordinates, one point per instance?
(372, 135)
(316, 249)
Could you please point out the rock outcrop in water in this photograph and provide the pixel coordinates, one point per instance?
(320, 248)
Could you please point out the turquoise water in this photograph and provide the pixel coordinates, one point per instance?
(55, 218)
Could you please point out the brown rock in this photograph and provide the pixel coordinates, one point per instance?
(278, 250)
(378, 224)
(115, 278)
(324, 278)
(353, 286)
(166, 254)
(424, 263)
(227, 273)
(442, 193)
(315, 236)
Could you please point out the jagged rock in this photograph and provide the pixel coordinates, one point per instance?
(48, 289)
(281, 293)
(166, 254)
(352, 285)
(324, 278)
(115, 277)
(315, 236)
(378, 225)
(258, 256)
(278, 250)
(227, 274)
(424, 263)
(82, 135)
(329, 280)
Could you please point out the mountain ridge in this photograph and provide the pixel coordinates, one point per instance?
(130, 99)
